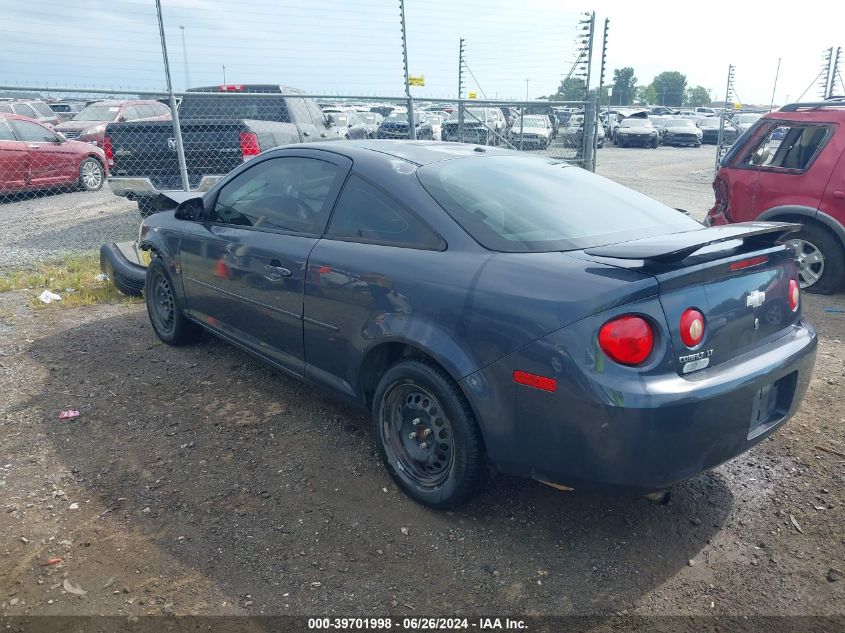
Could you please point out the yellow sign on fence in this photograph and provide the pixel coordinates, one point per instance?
(416, 80)
(473, 95)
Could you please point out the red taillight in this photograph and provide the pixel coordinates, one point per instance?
(627, 339)
(692, 327)
(794, 294)
(748, 263)
(232, 88)
(533, 380)
(249, 145)
(108, 150)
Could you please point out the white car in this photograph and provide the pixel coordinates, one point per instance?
(436, 121)
(531, 131)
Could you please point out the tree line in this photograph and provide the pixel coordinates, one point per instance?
(668, 88)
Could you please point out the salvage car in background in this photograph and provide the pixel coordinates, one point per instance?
(349, 125)
(532, 131)
(636, 131)
(710, 126)
(607, 342)
(677, 131)
(790, 166)
(90, 124)
(34, 157)
(480, 125)
(395, 125)
(31, 108)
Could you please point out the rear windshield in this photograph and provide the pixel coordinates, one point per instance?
(229, 107)
(42, 108)
(522, 204)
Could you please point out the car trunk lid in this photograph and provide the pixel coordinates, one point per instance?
(736, 276)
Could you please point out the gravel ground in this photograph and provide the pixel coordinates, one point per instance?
(45, 226)
(38, 227)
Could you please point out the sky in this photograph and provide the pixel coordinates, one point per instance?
(514, 48)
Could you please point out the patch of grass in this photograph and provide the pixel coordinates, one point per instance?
(73, 277)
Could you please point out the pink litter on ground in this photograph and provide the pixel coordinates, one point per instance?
(70, 413)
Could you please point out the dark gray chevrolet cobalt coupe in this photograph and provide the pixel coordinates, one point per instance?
(492, 309)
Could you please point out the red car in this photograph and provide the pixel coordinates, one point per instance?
(90, 124)
(790, 166)
(34, 157)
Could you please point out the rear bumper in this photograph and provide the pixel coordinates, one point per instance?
(135, 187)
(122, 263)
(637, 432)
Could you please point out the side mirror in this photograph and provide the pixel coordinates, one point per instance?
(60, 138)
(190, 209)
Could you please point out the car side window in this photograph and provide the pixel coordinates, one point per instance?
(24, 110)
(33, 133)
(366, 213)
(316, 113)
(6, 133)
(279, 194)
(789, 147)
(130, 114)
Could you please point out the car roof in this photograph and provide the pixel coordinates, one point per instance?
(16, 117)
(813, 113)
(417, 152)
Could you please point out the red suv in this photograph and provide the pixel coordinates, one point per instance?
(790, 166)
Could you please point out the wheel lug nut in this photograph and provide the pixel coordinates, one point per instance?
(412, 435)
(424, 445)
(427, 432)
(416, 421)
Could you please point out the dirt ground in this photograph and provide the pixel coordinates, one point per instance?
(198, 481)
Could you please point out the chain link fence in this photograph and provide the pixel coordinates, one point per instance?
(134, 142)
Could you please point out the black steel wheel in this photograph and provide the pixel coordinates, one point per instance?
(427, 435)
(164, 307)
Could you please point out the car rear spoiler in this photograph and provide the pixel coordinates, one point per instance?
(675, 247)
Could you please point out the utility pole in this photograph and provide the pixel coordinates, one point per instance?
(224, 74)
(825, 72)
(412, 130)
(461, 91)
(728, 94)
(185, 59)
(174, 112)
(526, 88)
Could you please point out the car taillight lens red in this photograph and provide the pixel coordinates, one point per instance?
(748, 263)
(108, 149)
(794, 294)
(692, 327)
(627, 339)
(249, 145)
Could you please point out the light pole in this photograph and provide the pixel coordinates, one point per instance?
(185, 59)
(526, 88)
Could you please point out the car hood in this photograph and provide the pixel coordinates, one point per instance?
(638, 130)
(530, 129)
(79, 125)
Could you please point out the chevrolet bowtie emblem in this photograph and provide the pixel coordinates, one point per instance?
(755, 299)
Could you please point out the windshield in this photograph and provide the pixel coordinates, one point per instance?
(521, 204)
(98, 113)
(533, 120)
(636, 123)
(680, 123)
(368, 117)
(478, 112)
(42, 108)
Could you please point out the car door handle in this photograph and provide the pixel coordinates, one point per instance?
(276, 270)
(34, 147)
(839, 195)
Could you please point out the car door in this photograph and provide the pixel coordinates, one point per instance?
(788, 171)
(350, 288)
(51, 161)
(14, 160)
(244, 270)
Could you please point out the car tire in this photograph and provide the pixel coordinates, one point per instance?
(416, 399)
(655, 143)
(145, 207)
(91, 174)
(164, 307)
(814, 240)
